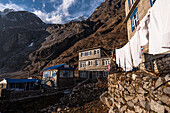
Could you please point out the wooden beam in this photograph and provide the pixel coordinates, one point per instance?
(131, 10)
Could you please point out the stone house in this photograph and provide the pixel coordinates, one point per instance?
(93, 62)
(135, 12)
(59, 76)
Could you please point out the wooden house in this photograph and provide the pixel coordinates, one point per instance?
(93, 62)
(58, 76)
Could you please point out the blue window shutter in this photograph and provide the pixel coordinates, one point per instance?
(151, 3)
(134, 12)
(129, 4)
(131, 24)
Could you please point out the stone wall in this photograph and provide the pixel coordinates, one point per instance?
(137, 93)
(159, 64)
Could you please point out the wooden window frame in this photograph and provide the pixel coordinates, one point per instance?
(90, 63)
(97, 62)
(134, 19)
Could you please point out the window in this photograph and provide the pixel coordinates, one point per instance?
(82, 54)
(105, 73)
(12, 85)
(2, 85)
(66, 73)
(134, 19)
(96, 51)
(97, 63)
(90, 63)
(97, 74)
(105, 62)
(152, 2)
(131, 2)
(54, 73)
(90, 53)
(83, 74)
(87, 53)
(82, 64)
(46, 74)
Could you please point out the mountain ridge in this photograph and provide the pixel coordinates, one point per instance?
(104, 28)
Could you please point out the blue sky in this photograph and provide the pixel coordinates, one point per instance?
(54, 11)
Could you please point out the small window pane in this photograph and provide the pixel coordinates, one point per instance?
(97, 62)
(97, 51)
(66, 73)
(46, 74)
(54, 73)
(94, 51)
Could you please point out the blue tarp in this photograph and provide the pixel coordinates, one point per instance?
(20, 80)
(61, 66)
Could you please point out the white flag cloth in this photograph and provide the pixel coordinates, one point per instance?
(123, 57)
(166, 23)
(120, 57)
(143, 29)
(159, 27)
(136, 49)
(128, 58)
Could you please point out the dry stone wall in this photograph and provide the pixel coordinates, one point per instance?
(137, 93)
(159, 64)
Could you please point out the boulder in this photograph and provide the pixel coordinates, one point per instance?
(167, 77)
(138, 109)
(59, 109)
(129, 97)
(122, 109)
(159, 82)
(111, 110)
(167, 90)
(165, 99)
(134, 76)
(130, 103)
(157, 107)
(141, 90)
(130, 111)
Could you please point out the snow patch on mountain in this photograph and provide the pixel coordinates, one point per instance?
(6, 11)
(31, 44)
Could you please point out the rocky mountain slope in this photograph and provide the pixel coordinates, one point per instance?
(21, 33)
(19, 19)
(104, 28)
(109, 35)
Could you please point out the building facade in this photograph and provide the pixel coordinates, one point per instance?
(136, 10)
(94, 62)
(17, 85)
(58, 76)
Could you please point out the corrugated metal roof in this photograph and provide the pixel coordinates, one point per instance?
(53, 67)
(61, 66)
(20, 80)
